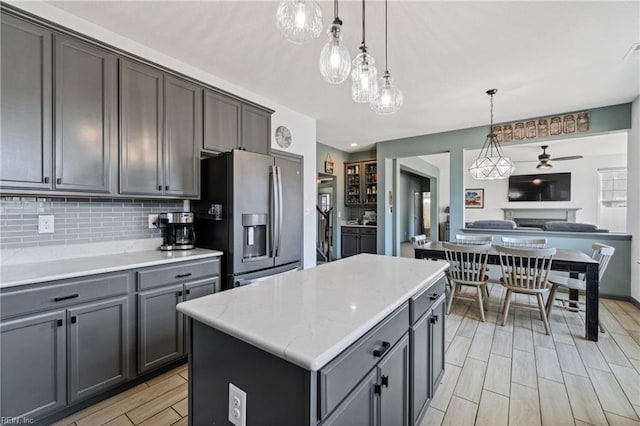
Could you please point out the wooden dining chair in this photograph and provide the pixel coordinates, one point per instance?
(526, 271)
(603, 254)
(524, 242)
(473, 239)
(467, 267)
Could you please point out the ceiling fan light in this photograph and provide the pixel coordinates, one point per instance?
(299, 20)
(335, 60)
(544, 165)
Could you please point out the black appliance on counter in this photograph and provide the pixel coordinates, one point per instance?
(179, 233)
(251, 210)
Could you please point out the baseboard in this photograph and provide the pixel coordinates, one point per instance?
(634, 302)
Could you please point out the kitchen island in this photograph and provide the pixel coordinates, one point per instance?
(360, 340)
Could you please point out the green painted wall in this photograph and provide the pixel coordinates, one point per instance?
(605, 119)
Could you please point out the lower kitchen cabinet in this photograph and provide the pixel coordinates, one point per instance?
(393, 373)
(360, 407)
(437, 343)
(33, 364)
(356, 240)
(161, 328)
(98, 346)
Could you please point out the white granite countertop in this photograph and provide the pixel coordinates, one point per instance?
(49, 270)
(310, 316)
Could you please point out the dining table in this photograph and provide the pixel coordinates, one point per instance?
(572, 261)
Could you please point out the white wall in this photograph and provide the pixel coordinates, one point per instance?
(441, 161)
(633, 209)
(303, 128)
(584, 188)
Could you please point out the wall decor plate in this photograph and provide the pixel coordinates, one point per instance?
(283, 137)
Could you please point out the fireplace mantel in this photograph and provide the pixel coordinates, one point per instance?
(564, 214)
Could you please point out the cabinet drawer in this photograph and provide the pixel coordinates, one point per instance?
(420, 303)
(63, 294)
(349, 230)
(177, 273)
(367, 231)
(347, 369)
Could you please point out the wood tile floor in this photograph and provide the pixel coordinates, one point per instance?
(495, 375)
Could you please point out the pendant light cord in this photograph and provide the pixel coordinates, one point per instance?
(335, 8)
(363, 44)
(386, 59)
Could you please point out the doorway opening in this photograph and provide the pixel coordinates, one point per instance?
(325, 248)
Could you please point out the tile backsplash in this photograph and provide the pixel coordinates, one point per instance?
(78, 220)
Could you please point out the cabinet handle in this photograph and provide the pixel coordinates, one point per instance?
(58, 181)
(188, 291)
(74, 319)
(166, 187)
(71, 296)
(188, 274)
(433, 319)
(59, 323)
(434, 296)
(377, 389)
(179, 294)
(379, 352)
(385, 381)
(46, 180)
(159, 187)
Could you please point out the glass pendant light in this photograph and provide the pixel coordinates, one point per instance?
(299, 20)
(491, 164)
(364, 83)
(388, 98)
(335, 60)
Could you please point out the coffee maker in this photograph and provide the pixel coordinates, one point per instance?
(179, 233)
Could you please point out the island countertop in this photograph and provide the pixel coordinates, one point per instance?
(310, 316)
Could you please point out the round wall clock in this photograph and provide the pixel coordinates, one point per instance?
(283, 137)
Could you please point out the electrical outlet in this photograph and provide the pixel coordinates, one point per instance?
(237, 405)
(153, 221)
(45, 224)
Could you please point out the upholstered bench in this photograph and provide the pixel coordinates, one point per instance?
(492, 224)
(572, 227)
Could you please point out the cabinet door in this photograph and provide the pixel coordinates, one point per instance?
(256, 130)
(221, 122)
(360, 407)
(419, 335)
(182, 137)
(394, 381)
(290, 244)
(352, 184)
(25, 122)
(85, 97)
(160, 327)
(98, 346)
(33, 365)
(350, 244)
(437, 343)
(140, 129)
(368, 243)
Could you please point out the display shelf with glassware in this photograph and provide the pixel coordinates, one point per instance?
(361, 183)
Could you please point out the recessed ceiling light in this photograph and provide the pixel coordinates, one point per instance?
(354, 144)
(635, 48)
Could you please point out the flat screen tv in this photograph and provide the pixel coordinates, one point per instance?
(542, 187)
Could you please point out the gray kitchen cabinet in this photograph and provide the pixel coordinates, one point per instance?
(141, 96)
(393, 372)
(421, 380)
(437, 343)
(85, 100)
(26, 122)
(256, 130)
(356, 240)
(33, 364)
(98, 346)
(360, 183)
(360, 408)
(182, 137)
(222, 118)
(160, 327)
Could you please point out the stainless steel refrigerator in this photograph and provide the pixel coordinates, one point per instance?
(251, 209)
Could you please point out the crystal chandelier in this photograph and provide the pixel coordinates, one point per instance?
(335, 60)
(364, 83)
(299, 20)
(491, 164)
(388, 98)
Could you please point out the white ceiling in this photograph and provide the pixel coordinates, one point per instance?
(544, 57)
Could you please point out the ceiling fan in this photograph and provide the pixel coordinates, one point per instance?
(544, 159)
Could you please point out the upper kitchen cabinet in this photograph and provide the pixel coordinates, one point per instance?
(230, 123)
(26, 135)
(361, 183)
(85, 100)
(159, 147)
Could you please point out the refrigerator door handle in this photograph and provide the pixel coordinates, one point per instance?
(274, 211)
(280, 207)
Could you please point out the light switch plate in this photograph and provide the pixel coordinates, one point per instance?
(237, 406)
(45, 224)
